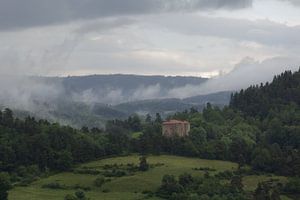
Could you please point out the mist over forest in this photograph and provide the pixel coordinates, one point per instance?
(150, 99)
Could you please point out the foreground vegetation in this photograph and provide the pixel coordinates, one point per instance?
(137, 185)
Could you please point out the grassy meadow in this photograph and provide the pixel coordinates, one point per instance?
(129, 187)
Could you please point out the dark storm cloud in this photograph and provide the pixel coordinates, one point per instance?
(16, 14)
(104, 25)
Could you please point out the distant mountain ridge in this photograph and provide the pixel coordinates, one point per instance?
(91, 100)
(80, 114)
(118, 88)
(171, 105)
(129, 82)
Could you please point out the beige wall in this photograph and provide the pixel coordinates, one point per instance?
(179, 129)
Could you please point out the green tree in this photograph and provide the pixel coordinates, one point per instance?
(169, 186)
(262, 159)
(185, 180)
(135, 123)
(158, 119)
(262, 192)
(70, 197)
(275, 194)
(80, 195)
(236, 184)
(62, 161)
(7, 117)
(144, 166)
(148, 118)
(4, 185)
(99, 181)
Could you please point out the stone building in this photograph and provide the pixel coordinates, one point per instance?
(175, 127)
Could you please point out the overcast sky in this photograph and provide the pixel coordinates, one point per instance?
(168, 37)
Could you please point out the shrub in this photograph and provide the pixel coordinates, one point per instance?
(4, 185)
(33, 170)
(114, 173)
(70, 197)
(293, 186)
(81, 187)
(99, 181)
(87, 171)
(169, 186)
(205, 169)
(185, 180)
(79, 195)
(225, 174)
(54, 185)
(26, 181)
(144, 166)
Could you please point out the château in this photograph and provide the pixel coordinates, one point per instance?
(175, 128)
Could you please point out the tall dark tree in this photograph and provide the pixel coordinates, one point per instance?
(158, 118)
(144, 166)
(7, 117)
(148, 118)
(236, 184)
(4, 186)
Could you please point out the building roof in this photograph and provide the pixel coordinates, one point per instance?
(175, 122)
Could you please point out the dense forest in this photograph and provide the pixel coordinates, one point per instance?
(260, 128)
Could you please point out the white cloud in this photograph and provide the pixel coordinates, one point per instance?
(176, 41)
(247, 72)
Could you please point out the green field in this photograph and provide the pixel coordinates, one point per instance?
(126, 187)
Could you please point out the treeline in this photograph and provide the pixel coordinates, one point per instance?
(261, 128)
(30, 146)
(262, 100)
(36, 145)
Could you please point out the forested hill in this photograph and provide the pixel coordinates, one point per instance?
(257, 100)
(119, 88)
(259, 129)
(128, 82)
(92, 100)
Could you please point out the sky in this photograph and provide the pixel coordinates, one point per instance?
(209, 38)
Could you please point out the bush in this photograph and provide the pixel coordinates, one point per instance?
(293, 186)
(26, 175)
(99, 181)
(225, 174)
(54, 185)
(114, 173)
(79, 195)
(106, 191)
(169, 186)
(33, 170)
(205, 169)
(80, 187)
(87, 171)
(185, 180)
(4, 185)
(26, 181)
(144, 166)
(62, 161)
(21, 171)
(70, 197)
